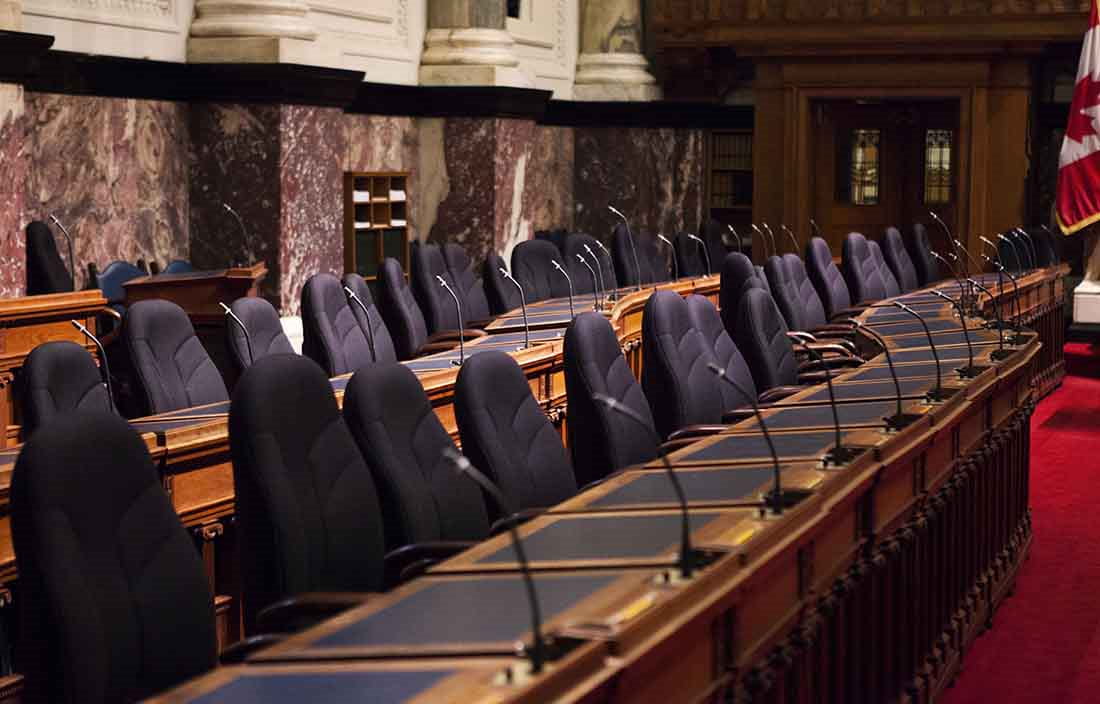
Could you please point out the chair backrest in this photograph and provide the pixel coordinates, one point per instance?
(577, 243)
(826, 277)
(402, 440)
(112, 277)
(920, 252)
(306, 503)
(861, 270)
(507, 435)
(657, 257)
(689, 256)
(172, 367)
(712, 233)
(623, 256)
(705, 318)
(113, 594)
(46, 272)
(371, 321)
(761, 335)
(680, 388)
(601, 440)
(400, 310)
(1046, 247)
(265, 332)
(475, 304)
(60, 377)
(897, 258)
(738, 276)
(500, 292)
(555, 237)
(178, 266)
(331, 333)
(531, 267)
(809, 302)
(785, 292)
(436, 305)
(890, 284)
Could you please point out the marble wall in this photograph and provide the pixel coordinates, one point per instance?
(114, 170)
(655, 176)
(13, 173)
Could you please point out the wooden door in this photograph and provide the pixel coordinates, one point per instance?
(882, 164)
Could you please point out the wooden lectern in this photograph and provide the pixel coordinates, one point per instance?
(29, 321)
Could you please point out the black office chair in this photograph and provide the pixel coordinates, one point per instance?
(265, 332)
(437, 306)
(532, 268)
(920, 252)
(404, 318)
(46, 272)
(738, 276)
(60, 377)
(689, 256)
(555, 237)
(577, 243)
(890, 283)
(468, 284)
(897, 258)
(113, 276)
(331, 334)
(681, 389)
(424, 500)
(171, 365)
(713, 233)
(306, 503)
(114, 601)
(499, 291)
(828, 281)
(861, 270)
(800, 306)
(602, 441)
(656, 256)
(507, 435)
(763, 338)
(371, 322)
(1046, 247)
(178, 266)
(623, 256)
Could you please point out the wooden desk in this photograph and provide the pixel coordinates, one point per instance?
(26, 323)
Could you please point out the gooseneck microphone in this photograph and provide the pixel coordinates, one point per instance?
(630, 237)
(763, 239)
(613, 294)
(969, 371)
(69, 239)
(936, 394)
(1033, 252)
(954, 274)
(736, 237)
(240, 223)
(839, 455)
(1000, 353)
(1015, 289)
(461, 328)
(522, 305)
(352, 296)
(244, 330)
(688, 556)
(568, 280)
(771, 237)
(814, 227)
(105, 370)
(899, 420)
(703, 246)
(1015, 252)
(537, 652)
(776, 497)
(599, 270)
(595, 283)
(794, 237)
(675, 266)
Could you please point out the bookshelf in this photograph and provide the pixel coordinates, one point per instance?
(376, 221)
(731, 176)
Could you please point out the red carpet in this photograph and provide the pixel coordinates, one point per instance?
(1045, 642)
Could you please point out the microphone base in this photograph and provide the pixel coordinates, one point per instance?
(698, 558)
(776, 504)
(841, 456)
(1001, 354)
(970, 372)
(457, 362)
(900, 421)
(941, 395)
(998, 325)
(522, 672)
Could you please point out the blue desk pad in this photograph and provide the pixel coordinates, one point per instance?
(727, 449)
(904, 371)
(164, 426)
(952, 355)
(516, 338)
(861, 414)
(713, 486)
(211, 409)
(977, 337)
(912, 326)
(258, 685)
(483, 615)
(892, 312)
(910, 388)
(639, 540)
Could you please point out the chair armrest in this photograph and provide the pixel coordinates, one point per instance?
(801, 336)
(778, 392)
(448, 335)
(302, 610)
(673, 445)
(239, 651)
(737, 415)
(836, 347)
(501, 524)
(409, 561)
(830, 363)
(696, 431)
(841, 339)
(111, 313)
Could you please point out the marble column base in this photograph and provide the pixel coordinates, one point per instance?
(617, 92)
(614, 76)
(11, 14)
(473, 56)
(473, 76)
(254, 50)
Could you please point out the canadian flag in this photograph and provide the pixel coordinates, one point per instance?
(1078, 196)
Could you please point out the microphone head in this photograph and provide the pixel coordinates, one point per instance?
(589, 250)
(715, 369)
(555, 263)
(601, 246)
(441, 281)
(605, 400)
(349, 291)
(504, 272)
(456, 458)
(616, 211)
(224, 307)
(53, 219)
(76, 324)
(755, 228)
(664, 239)
(581, 258)
(693, 237)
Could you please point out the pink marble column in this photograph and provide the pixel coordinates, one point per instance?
(13, 175)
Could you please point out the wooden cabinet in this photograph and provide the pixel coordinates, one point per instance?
(376, 221)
